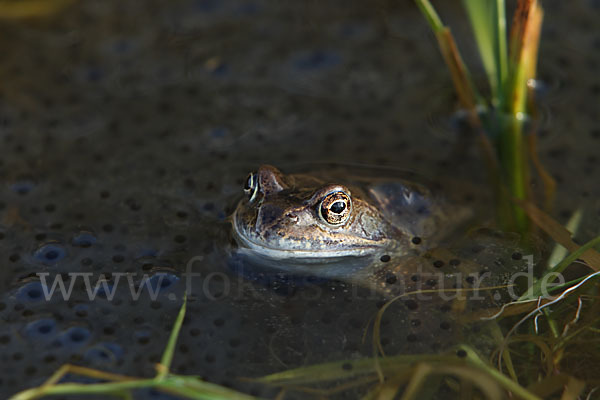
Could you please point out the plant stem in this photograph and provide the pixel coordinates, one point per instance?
(167, 357)
(431, 15)
(514, 167)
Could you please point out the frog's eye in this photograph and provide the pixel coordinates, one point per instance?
(335, 208)
(251, 186)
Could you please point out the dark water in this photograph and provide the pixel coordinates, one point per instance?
(127, 129)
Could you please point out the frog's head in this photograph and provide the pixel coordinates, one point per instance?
(304, 217)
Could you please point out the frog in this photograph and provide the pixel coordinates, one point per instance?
(339, 221)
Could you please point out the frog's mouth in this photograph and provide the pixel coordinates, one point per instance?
(259, 248)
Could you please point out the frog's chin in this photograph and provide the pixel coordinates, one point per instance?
(342, 268)
(308, 256)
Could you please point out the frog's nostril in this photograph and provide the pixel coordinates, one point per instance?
(292, 217)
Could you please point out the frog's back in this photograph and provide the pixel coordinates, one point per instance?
(408, 201)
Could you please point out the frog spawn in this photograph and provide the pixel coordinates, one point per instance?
(280, 314)
(86, 162)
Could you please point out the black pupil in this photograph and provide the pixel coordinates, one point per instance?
(338, 207)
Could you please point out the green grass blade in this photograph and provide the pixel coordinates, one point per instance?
(502, 45)
(430, 15)
(488, 21)
(83, 389)
(512, 155)
(560, 252)
(194, 388)
(188, 387)
(463, 84)
(349, 369)
(167, 357)
(536, 289)
(499, 377)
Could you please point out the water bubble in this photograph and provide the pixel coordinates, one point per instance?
(146, 254)
(105, 353)
(106, 290)
(75, 336)
(142, 336)
(50, 253)
(81, 309)
(22, 187)
(30, 292)
(162, 280)
(84, 239)
(41, 329)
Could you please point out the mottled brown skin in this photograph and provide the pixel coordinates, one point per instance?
(279, 218)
